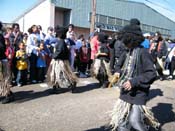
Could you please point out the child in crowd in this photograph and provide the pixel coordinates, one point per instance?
(8, 32)
(25, 36)
(9, 52)
(41, 63)
(21, 65)
(84, 56)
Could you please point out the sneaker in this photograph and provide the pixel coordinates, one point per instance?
(19, 85)
(40, 81)
(170, 77)
(82, 75)
(161, 78)
(33, 81)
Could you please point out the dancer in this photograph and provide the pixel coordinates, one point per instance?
(136, 75)
(59, 72)
(5, 73)
(101, 68)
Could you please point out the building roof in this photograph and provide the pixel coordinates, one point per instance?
(163, 11)
(29, 9)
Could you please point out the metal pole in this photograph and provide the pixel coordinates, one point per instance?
(92, 27)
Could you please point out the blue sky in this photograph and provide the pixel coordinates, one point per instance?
(11, 9)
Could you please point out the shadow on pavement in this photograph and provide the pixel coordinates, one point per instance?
(1, 129)
(23, 96)
(163, 112)
(1, 98)
(155, 92)
(102, 128)
(87, 87)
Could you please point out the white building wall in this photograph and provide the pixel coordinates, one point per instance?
(20, 22)
(42, 14)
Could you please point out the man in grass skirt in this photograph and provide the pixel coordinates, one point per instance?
(59, 73)
(136, 72)
(5, 75)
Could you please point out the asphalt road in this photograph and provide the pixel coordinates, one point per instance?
(88, 109)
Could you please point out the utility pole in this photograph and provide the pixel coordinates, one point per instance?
(93, 3)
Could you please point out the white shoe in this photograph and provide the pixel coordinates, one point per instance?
(19, 85)
(170, 77)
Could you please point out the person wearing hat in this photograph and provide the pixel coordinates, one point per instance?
(146, 42)
(59, 73)
(136, 73)
(5, 76)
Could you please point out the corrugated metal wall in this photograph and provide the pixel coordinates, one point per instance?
(80, 10)
(114, 8)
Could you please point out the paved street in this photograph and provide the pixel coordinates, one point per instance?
(35, 109)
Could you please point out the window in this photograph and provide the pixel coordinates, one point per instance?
(118, 22)
(102, 19)
(111, 20)
(126, 22)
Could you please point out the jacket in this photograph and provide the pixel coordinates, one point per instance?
(144, 76)
(61, 51)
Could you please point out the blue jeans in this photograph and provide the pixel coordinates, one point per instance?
(21, 77)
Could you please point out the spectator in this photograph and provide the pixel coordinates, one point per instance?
(16, 36)
(21, 65)
(41, 34)
(71, 44)
(9, 52)
(84, 57)
(49, 42)
(41, 63)
(77, 52)
(32, 46)
(146, 42)
(157, 51)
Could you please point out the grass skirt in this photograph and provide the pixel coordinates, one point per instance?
(99, 65)
(59, 72)
(5, 78)
(121, 112)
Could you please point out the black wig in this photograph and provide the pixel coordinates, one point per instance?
(132, 34)
(102, 37)
(60, 32)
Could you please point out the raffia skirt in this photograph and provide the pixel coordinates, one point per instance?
(5, 78)
(100, 65)
(60, 73)
(121, 112)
